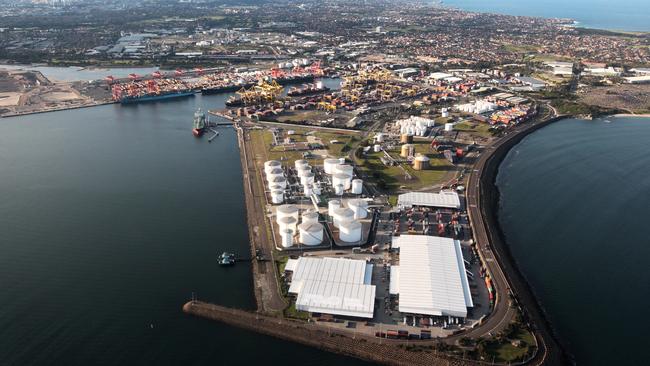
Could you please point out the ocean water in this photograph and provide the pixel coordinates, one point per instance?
(626, 15)
(574, 209)
(110, 217)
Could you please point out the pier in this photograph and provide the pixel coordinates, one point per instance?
(310, 334)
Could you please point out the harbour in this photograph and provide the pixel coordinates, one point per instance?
(67, 229)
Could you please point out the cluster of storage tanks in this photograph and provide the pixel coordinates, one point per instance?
(294, 63)
(414, 126)
(291, 222)
(478, 107)
(346, 219)
(342, 176)
(276, 180)
(307, 178)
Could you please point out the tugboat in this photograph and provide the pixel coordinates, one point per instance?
(226, 259)
(199, 125)
(234, 102)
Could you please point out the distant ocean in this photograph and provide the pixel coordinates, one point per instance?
(624, 15)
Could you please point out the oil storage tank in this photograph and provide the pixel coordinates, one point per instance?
(421, 162)
(287, 210)
(286, 236)
(350, 231)
(287, 222)
(310, 233)
(277, 196)
(357, 186)
(341, 215)
(359, 207)
(329, 164)
(342, 179)
(309, 217)
(332, 205)
(270, 165)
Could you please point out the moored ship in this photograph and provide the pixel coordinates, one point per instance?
(199, 124)
(308, 89)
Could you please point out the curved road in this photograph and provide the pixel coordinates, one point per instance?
(481, 200)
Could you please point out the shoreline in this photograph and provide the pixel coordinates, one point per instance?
(488, 202)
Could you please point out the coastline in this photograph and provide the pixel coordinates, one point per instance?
(488, 203)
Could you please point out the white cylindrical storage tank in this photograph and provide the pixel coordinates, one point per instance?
(309, 217)
(286, 236)
(360, 208)
(310, 233)
(277, 197)
(278, 181)
(376, 148)
(342, 179)
(444, 114)
(379, 137)
(275, 187)
(332, 205)
(287, 211)
(316, 190)
(306, 189)
(287, 222)
(277, 172)
(341, 160)
(329, 164)
(270, 165)
(449, 127)
(342, 214)
(304, 170)
(350, 231)
(357, 186)
(345, 169)
(299, 163)
(338, 189)
(307, 179)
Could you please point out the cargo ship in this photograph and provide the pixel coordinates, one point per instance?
(225, 88)
(155, 97)
(308, 89)
(293, 79)
(234, 101)
(199, 125)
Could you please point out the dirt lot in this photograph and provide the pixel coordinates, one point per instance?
(632, 98)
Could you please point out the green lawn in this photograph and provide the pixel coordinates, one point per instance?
(479, 128)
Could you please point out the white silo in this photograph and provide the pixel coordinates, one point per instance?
(332, 205)
(360, 208)
(341, 160)
(342, 179)
(341, 215)
(307, 179)
(287, 211)
(344, 169)
(299, 163)
(357, 186)
(277, 197)
(270, 165)
(350, 231)
(449, 127)
(287, 222)
(304, 170)
(376, 148)
(338, 189)
(329, 164)
(306, 189)
(444, 113)
(286, 236)
(379, 137)
(309, 217)
(310, 233)
(276, 172)
(278, 181)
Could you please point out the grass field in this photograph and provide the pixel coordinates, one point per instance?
(479, 128)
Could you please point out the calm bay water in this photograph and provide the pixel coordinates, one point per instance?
(574, 209)
(628, 15)
(110, 217)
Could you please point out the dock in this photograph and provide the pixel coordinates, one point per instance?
(311, 334)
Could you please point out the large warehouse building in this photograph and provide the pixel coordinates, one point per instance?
(333, 286)
(430, 278)
(444, 199)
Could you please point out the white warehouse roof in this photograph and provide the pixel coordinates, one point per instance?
(333, 285)
(431, 277)
(444, 199)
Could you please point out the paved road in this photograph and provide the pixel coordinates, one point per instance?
(495, 255)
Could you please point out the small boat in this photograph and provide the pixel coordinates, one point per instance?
(226, 259)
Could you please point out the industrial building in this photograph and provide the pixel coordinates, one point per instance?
(444, 199)
(335, 286)
(431, 278)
